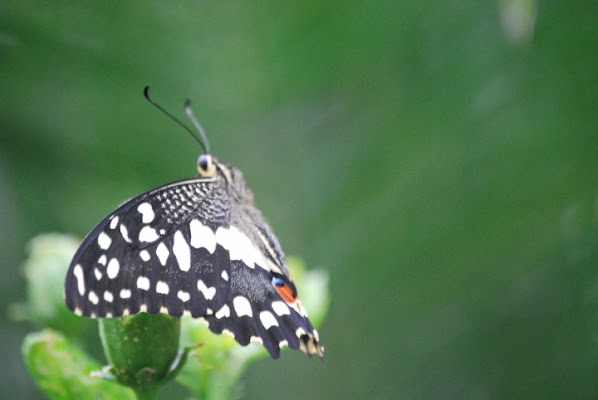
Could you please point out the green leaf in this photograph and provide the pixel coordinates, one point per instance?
(216, 363)
(63, 371)
(45, 268)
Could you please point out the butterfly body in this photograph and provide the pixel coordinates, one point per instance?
(196, 247)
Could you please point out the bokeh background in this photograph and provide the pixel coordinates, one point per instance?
(439, 159)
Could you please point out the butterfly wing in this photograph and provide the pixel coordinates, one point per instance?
(183, 249)
(256, 312)
(151, 253)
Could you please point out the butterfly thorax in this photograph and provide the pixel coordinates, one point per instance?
(233, 178)
(246, 216)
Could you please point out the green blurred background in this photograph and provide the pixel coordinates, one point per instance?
(439, 159)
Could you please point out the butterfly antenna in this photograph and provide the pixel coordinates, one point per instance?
(205, 146)
(197, 125)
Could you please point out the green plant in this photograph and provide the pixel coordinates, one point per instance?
(143, 351)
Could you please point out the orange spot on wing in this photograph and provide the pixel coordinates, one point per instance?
(285, 292)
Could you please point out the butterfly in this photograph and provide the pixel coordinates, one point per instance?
(197, 247)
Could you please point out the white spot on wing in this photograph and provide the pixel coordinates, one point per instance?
(143, 283)
(114, 222)
(223, 312)
(78, 272)
(207, 292)
(181, 251)
(162, 287)
(296, 305)
(147, 212)
(256, 339)
(145, 255)
(238, 245)
(93, 297)
(162, 253)
(97, 273)
(300, 332)
(268, 320)
(125, 293)
(102, 260)
(242, 306)
(228, 332)
(112, 268)
(280, 308)
(125, 233)
(108, 296)
(104, 241)
(283, 343)
(202, 236)
(148, 234)
(184, 296)
(224, 275)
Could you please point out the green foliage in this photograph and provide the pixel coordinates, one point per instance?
(44, 271)
(62, 370)
(439, 158)
(143, 350)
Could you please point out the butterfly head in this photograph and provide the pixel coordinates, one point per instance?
(206, 166)
(209, 166)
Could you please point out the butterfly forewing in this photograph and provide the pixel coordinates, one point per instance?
(140, 256)
(187, 248)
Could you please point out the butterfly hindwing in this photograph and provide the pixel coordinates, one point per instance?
(255, 312)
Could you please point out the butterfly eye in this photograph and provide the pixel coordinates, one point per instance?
(205, 165)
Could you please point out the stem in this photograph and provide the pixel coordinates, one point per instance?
(147, 394)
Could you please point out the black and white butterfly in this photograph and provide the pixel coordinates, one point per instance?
(196, 247)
